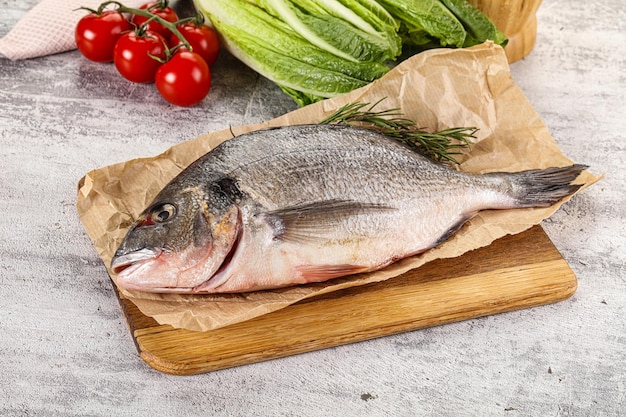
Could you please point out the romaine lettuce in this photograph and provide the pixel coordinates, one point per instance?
(315, 49)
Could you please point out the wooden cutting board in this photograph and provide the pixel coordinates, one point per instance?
(514, 272)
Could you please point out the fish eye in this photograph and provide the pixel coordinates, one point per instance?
(163, 213)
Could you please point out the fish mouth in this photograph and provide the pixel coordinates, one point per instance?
(127, 264)
(133, 260)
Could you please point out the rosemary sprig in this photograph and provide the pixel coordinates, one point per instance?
(440, 145)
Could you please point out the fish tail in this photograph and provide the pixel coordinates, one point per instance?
(544, 187)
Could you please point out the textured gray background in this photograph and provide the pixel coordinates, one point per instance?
(65, 349)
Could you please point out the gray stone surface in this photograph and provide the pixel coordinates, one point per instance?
(65, 349)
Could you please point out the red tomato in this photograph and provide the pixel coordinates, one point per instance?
(155, 8)
(185, 79)
(203, 41)
(132, 56)
(96, 35)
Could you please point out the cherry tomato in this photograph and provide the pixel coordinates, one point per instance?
(185, 79)
(154, 7)
(96, 35)
(203, 41)
(132, 56)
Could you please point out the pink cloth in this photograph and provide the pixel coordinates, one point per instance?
(48, 28)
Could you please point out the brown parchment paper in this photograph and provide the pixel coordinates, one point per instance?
(438, 89)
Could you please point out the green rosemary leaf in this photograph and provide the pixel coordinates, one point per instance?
(440, 145)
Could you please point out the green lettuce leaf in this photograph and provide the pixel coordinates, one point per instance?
(478, 27)
(423, 21)
(315, 49)
(336, 28)
(272, 48)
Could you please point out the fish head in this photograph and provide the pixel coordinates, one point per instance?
(178, 242)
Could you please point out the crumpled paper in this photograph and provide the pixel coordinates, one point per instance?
(437, 89)
(48, 28)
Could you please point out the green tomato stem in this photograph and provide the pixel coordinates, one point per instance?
(152, 17)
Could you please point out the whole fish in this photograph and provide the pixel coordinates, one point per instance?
(300, 204)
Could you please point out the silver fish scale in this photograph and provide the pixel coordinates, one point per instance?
(309, 166)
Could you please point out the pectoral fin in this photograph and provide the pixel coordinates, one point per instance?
(318, 219)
